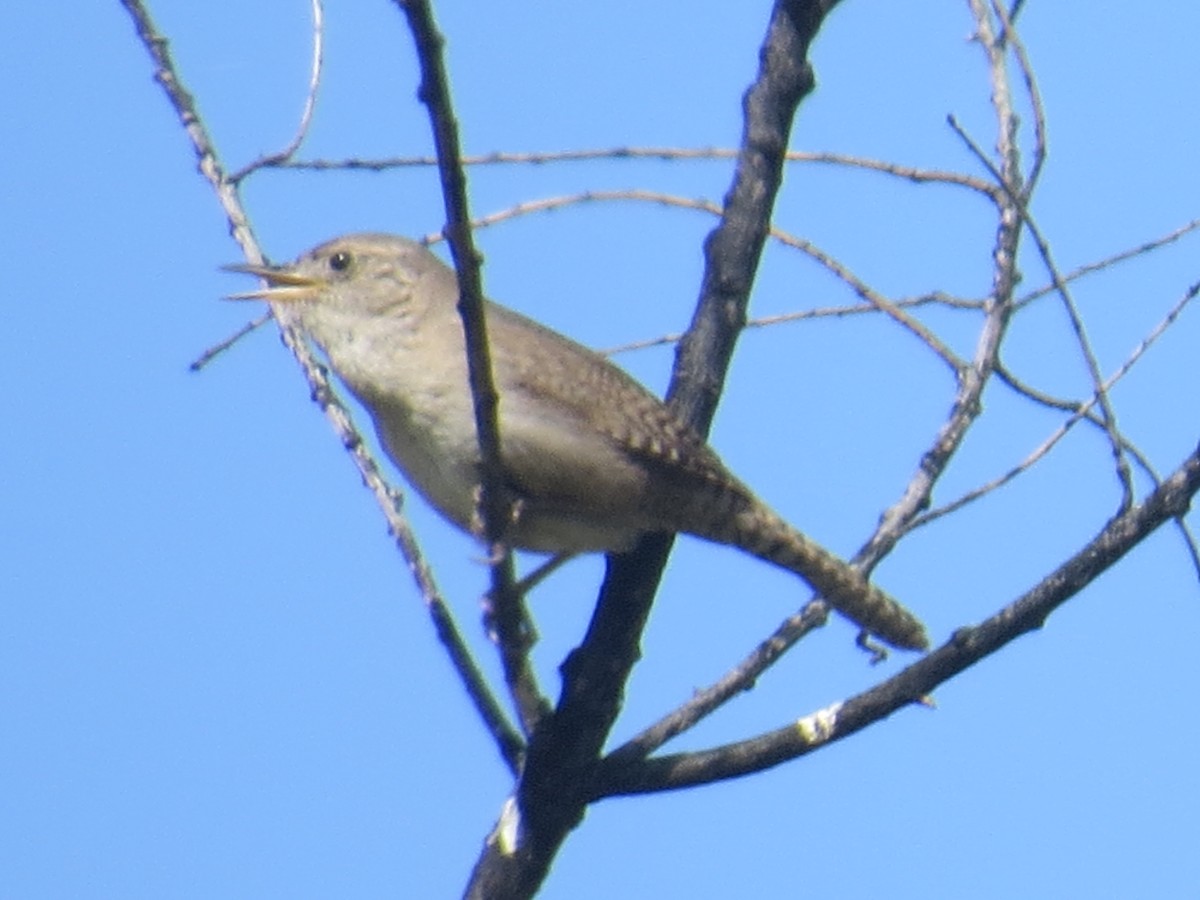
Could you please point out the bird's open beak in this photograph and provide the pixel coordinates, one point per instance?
(283, 286)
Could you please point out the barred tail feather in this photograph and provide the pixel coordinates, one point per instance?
(724, 510)
(845, 589)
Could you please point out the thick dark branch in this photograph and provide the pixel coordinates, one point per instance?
(733, 249)
(968, 646)
(552, 795)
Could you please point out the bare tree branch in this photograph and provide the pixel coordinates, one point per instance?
(619, 775)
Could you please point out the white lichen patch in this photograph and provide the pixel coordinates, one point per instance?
(818, 727)
(507, 828)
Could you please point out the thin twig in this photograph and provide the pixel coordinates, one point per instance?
(820, 312)
(1120, 463)
(1080, 411)
(1112, 260)
(1010, 37)
(876, 299)
(907, 173)
(1140, 459)
(211, 353)
(509, 617)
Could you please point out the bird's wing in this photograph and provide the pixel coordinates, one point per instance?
(594, 429)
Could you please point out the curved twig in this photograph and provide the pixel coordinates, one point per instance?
(310, 103)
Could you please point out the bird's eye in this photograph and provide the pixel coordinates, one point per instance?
(340, 261)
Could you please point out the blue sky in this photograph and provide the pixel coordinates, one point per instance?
(216, 679)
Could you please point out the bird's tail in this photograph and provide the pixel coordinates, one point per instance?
(755, 528)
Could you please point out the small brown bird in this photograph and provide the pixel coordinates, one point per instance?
(592, 459)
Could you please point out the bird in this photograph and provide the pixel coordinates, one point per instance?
(591, 459)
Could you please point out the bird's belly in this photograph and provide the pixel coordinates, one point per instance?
(547, 532)
(439, 456)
